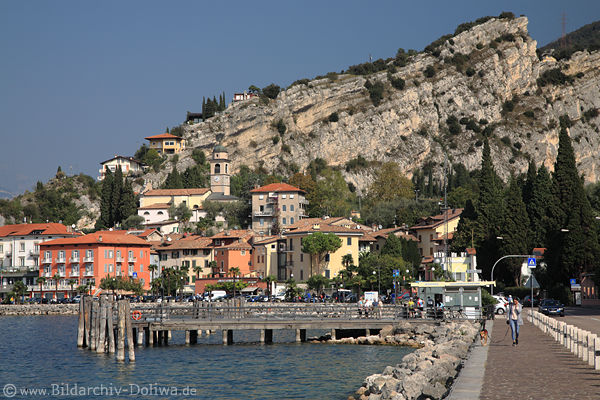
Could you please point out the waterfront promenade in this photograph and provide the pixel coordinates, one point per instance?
(538, 368)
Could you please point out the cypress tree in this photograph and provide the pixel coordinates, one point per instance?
(467, 231)
(127, 206)
(115, 202)
(392, 246)
(515, 231)
(173, 180)
(203, 107)
(537, 207)
(105, 199)
(529, 182)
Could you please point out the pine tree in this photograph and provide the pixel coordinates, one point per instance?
(115, 202)
(515, 231)
(203, 108)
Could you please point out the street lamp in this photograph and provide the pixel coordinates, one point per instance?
(502, 258)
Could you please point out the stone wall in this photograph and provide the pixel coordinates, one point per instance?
(39, 309)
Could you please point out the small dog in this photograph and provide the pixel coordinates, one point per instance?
(483, 336)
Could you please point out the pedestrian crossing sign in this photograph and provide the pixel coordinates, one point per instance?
(531, 262)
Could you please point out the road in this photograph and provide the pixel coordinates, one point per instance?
(586, 318)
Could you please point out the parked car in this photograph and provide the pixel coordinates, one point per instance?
(527, 301)
(552, 307)
(501, 306)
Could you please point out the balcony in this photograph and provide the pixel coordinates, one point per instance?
(272, 200)
(60, 260)
(47, 260)
(47, 274)
(62, 274)
(74, 273)
(74, 259)
(88, 259)
(133, 260)
(34, 252)
(266, 213)
(89, 273)
(119, 259)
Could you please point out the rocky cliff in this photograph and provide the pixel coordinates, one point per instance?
(485, 77)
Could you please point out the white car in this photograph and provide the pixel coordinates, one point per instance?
(501, 305)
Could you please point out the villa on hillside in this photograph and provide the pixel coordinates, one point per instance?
(129, 166)
(165, 143)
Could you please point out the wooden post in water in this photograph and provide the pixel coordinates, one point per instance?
(100, 348)
(140, 336)
(130, 346)
(93, 325)
(111, 328)
(121, 327)
(81, 324)
(87, 306)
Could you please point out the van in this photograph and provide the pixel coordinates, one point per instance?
(217, 295)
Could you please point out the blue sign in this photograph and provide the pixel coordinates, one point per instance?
(134, 275)
(531, 262)
(573, 281)
(396, 272)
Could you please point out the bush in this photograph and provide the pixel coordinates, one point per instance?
(286, 148)
(517, 145)
(488, 130)
(453, 125)
(429, 71)
(271, 91)
(198, 156)
(397, 83)
(253, 144)
(472, 125)
(554, 77)
(506, 140)
(483, 121)
(481, 73)
(355, 163)
(275, 139)
(281, 128)
(479, 46)
(464, 120)
(333, 117)
(508, 106)
(175, 158)
(590, 114)
(470, 72)
(375, 92)
(565, 121)
(300, 82)
(529, 114)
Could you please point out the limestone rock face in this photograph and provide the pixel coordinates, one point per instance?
(409, 126)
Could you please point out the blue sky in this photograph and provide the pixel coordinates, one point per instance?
(81, 80)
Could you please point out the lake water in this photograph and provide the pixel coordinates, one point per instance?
(40, 353)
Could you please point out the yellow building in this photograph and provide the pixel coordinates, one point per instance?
(265, 256)
(303, 265)
(192, 198)
(165, 143)
(431, 231)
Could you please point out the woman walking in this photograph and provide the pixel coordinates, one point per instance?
(514, 319)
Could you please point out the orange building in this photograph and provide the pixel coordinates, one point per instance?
(165, 143)
(87, 259)
(233, 248)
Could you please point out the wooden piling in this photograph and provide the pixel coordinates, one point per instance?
(111, 328)
(93, 325)
(140, 336)
(100, 347)
(150, 341)
(130, 346)
(193, 337)
(87, 306)
(121, 327)
(81, 324)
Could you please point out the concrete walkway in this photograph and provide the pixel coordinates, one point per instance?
(470, 379)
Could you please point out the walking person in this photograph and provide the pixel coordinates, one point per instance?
(514, 319)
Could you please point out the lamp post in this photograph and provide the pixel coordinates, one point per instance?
(502, 258)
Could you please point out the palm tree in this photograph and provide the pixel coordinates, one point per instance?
(269, 279)
(72, 282)
(56, 278)
(19, 289)
(235, 271)
(183, 276)
(40, 281)
(197, 269)
(152, 268)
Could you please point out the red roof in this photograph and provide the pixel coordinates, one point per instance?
(26, 229)
(163, 136)
(277, 187)
(100, 237)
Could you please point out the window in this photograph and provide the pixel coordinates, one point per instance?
(283, 208)
(262, 221)
(110, 267)
(283, 196)
(61, 254)
(110, 254)
(243, 252)
(327, 257)
(301, 274)
(291, 196)
(327, 273)
(262, 208)
(291, 220)
(47, 254)
(217, 168)
(146, 213)
(1, 248)
(75, 254)
(21, 261)
(291, 207)
(141, 254)
(89, 254)
(284, 221)
(174, 254)
(160, 213)
(272, 246)
(105, 268)
(431, 236)
(130, 254)
(291, 245)
(431, 251)
(164, 256)
(22, 247)
(301, 257)
(261, 196)
(349, 241)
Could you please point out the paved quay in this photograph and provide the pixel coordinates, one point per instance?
(538, 368)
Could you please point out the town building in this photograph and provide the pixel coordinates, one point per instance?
(302, 266)
(435, 232)
(277, 204)
(129, 166)
(220, 171)
(85, 260)
(20, 252)
(193, 118)
(266, 255)
(188, 252)
(237, 97)
(233, 248)
(165, 143)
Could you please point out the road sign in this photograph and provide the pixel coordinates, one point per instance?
(473, 271)
(573, 281)
(134, 275)
(531, 262)
(396, 272)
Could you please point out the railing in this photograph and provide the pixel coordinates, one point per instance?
(74, 259)
(88, 259)
(584, 344)
(60, 260)
(74, 273)
(119, 259)
(47, 260)
(132, 260)
(34, 252)
(263, 213)
(88, 273)
(257, 312)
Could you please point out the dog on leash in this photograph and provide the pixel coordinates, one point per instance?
(483, 336)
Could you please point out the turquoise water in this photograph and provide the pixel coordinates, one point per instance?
(40, 353)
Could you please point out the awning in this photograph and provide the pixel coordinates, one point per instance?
(250, 289)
